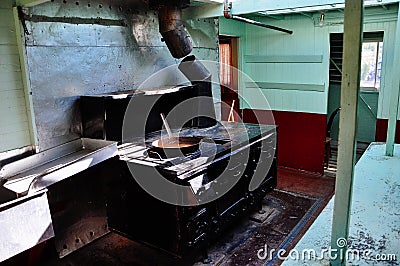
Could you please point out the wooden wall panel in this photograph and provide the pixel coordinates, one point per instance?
(308, 39)
(381, 131)
(296, 60)
(14, 130)
(376, 20)
(301, 138)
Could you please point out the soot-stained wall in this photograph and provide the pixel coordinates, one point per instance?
(79, 48)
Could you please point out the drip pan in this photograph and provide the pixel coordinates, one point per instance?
(41, 170)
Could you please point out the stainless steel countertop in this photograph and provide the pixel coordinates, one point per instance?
(46, 168)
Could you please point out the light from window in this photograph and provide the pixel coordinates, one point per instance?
(371, 65)
(225, 58)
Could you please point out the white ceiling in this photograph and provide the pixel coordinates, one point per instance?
(214, 8)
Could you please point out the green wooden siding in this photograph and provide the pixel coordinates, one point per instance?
(286, 86)
(284, 59)
(291, 70)
(231, 27)
(366, 123)
(271, 57)
(15, 127)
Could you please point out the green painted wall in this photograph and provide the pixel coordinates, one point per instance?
(366, 124)
(379, 19)
(231, 27)
(279, 61)
(287, 66)
(236, 29)
(15, 127)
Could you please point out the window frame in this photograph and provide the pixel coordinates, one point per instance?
(377, 38)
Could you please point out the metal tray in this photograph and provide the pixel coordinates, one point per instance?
(48, 167)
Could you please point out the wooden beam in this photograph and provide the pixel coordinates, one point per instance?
(394, 95)
(30, 3)
(283, 58)
(25, 79)
(211, 1)
(286, 86)
(353, 28)
(281, 7)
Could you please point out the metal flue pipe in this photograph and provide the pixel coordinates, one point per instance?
(198, 75)
(173, 32)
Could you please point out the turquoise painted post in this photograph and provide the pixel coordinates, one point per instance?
(353, 24)
(394, 95)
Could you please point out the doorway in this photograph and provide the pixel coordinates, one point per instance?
(371, 61)
(228, 51)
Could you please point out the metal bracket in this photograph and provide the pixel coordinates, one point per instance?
(70, 20)
(21, 17)
(227, 9)
(228, 14)
(368, 107)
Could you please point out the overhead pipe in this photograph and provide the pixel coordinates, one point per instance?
(198, 75)
(173, 31)
(228, 15)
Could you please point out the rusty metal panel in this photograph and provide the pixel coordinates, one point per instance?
(95, 47)
(79, 216)
(204, 33)
(59, 81)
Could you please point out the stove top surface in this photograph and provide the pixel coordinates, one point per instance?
(218, 142)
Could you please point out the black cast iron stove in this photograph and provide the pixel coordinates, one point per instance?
(225, 179)
(184, 230)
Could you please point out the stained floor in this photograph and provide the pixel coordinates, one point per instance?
(292, 208)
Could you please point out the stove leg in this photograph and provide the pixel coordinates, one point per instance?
(259, 207)
(205, 259)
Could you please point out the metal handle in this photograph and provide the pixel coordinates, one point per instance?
(154, 152)
(166, 125)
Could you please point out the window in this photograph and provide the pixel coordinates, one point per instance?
(371, 61)
(226, 60)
